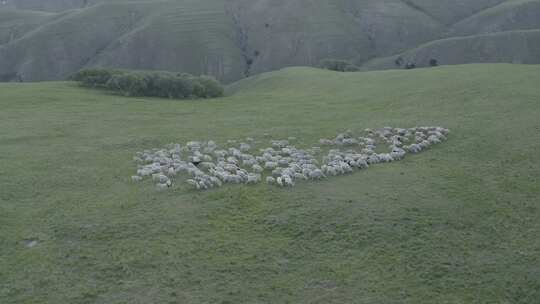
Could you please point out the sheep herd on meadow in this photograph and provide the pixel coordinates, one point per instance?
(207, 166)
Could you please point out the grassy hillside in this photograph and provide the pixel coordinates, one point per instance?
(234, 38)
(14, 24)
(451, 11)
(455, 224)
(508, 16)
(512, 46)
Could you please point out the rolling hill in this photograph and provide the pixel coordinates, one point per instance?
(455, 224)
(512, 46)
(230, 39)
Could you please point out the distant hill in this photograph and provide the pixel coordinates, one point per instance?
(230, 39)
(512, 46)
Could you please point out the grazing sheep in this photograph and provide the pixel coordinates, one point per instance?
(397, 153)
(161, 187)
(317, 174)
(433, 139)
(207, 158)
(257, 169)
(244, 147)
(362, 164)
(193, 183)
(373, 159)
(216, 181)
(326, 142)
(220, 153)
(144, 172)
(249, 162)
(159, 178)
(270, 165)
(285, 181)
(415, 148)
(385, 157)
(349, 141)
(207, 165)
(283, 162)
(425, 144)
(253, 178)
(277, 172)
(286, 162)
(232, 160)
(299, 176)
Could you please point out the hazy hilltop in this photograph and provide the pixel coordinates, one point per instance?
(50, 39)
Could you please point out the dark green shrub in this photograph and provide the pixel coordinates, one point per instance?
(410, 66)
(151, 83)
(129, 84)
(339, 65)
(351, 68)
(208, 87)
(182, 87)
(198, 89)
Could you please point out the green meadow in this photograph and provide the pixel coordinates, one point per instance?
(458, 223)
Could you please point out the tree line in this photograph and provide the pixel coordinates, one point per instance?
(150, 83)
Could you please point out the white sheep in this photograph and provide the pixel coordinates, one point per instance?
(161, 187)
(286, 162)
(373, 159)
(244, 147)
(414, 148)
(385, 157)
(257, 169)
(317, 174)
(270, 165)
(253, 178)
(285, 181)
(159, 178)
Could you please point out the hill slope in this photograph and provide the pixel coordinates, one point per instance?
(455, 224)
(512, 46)
(231, 39)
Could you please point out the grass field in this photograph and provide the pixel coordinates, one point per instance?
(458, 223)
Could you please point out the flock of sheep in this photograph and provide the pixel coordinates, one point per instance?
(208, 166)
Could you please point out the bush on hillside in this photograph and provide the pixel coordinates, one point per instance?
(208, 87)
(339, 65)
(351, 68)
(151, 83)
(410, 66)
(129, 84)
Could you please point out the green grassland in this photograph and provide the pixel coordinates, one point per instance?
(458, 223)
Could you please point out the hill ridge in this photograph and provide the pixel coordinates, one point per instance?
(200, 37)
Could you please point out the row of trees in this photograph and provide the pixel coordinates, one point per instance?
(151, 83)
(340, 65)
(411, 65)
